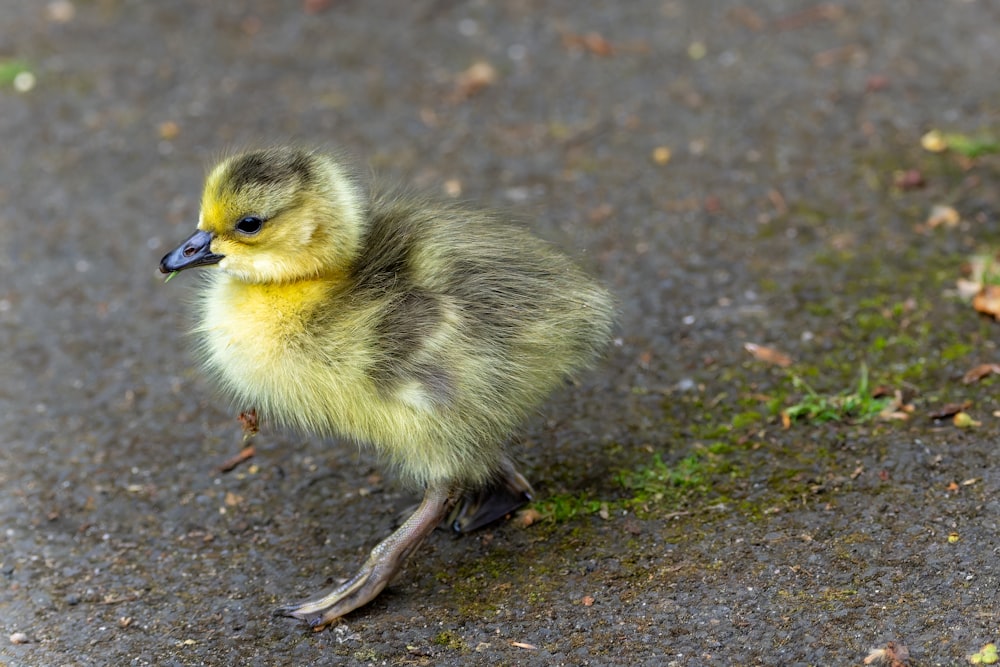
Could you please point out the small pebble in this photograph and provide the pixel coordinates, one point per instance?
(934, 142)
(24, 82)
(697, 50)
(72, 599)
(661, 155)
(19, 638)
(61, 11)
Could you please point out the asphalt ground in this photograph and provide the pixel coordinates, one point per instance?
(733, 172)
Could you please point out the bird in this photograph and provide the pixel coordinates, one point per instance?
(426, 329)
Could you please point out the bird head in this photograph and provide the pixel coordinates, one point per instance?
(273, 216)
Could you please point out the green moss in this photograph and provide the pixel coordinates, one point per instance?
(750, 509)
(451, 640)
(956, 351)
(367, 655)
(476, 583)
(656, 479)
(851, 406)
(711, 431)
(819, 309)
(564, 507)
(536, 597)
(720, 449)
(745, 419)
(972, 146)
(710, 442)
(10, 68)
(828, 598)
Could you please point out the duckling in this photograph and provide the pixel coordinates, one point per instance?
(428, 330)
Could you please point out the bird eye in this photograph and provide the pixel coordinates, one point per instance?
(250, 224)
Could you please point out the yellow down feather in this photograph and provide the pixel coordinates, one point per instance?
(428, 330)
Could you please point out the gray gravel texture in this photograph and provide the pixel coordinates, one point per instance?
(785, 120)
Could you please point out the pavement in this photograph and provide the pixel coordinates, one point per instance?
(735, 172)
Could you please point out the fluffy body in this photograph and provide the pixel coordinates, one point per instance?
(427, 330)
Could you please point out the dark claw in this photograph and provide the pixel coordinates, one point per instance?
(291, 611)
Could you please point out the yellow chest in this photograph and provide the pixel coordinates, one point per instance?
(263, 343)
(302, 358)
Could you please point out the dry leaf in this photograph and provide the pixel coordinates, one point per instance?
(875, 656)
(746, 17)
(778, 201)
(976, 266)
(943, 215)
(230, 464)
(593, 42)
(251, 25)
(876, 82)
(881, 391)
(480, 75)
(768, 355)
(897, 409)
(600, 213)
(968, 289)
(60, 11)
(839, 54)
(527, 517)
(893, 655)
(950, 409)
(661, 155)
(169, 130)
(316, 6)
(249, 423)
(979, 372)
(825, 11)
(908, 179)
(988, 300)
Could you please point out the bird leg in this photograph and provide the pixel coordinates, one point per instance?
(384, 561)
(504, 494)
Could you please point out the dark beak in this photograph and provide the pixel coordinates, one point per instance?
(195, 251)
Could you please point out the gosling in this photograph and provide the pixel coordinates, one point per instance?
(426, 329)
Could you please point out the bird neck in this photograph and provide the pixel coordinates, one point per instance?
(274, 299)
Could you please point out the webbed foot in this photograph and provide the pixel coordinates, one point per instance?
(384, 561)
(509, 491)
